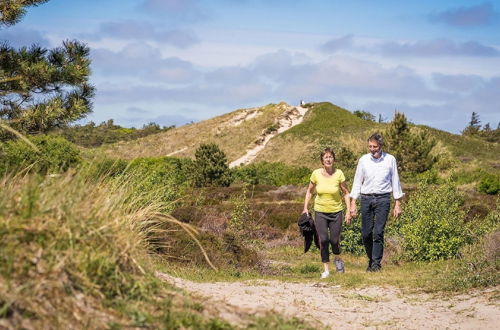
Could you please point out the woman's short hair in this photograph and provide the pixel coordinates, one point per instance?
(327, 150)
(377, 138)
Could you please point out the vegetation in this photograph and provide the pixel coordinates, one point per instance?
(365, 115)
(39, 88)
(490, 184)
(13, 10)
(47, 154)
(211, 167)
(433, 224)
(92, 135)
(412, 150)
(275, 174)
(80, 246)
(473, 129)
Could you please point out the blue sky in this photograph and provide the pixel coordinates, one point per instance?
(176, 61)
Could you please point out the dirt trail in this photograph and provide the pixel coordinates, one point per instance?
(288, 119)
(323, 303)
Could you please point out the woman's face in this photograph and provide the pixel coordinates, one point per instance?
(328, 160)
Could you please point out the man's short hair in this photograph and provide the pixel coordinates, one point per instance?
(377, 138)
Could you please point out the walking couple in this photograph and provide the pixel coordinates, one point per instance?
(375, 179)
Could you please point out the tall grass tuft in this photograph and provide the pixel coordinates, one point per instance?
(75, 246)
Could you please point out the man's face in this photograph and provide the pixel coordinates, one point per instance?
(374, 148)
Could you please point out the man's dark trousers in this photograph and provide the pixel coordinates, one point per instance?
(374, 212)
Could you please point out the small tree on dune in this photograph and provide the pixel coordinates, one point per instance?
(211, 167)
(412, 150)
(474, 125)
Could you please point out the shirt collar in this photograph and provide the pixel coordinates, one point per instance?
(381, 158)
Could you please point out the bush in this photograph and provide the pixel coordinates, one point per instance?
(480, 265)
(107, 167)
(432, 225)
(276, 174)
(351, 240)
(160, 174)
(465, 177)
(212, 168)
(55, 155)
(489, 184)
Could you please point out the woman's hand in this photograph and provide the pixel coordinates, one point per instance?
(347, 217)
(305, 211)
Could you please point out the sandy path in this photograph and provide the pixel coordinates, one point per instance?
(289, 119)
(323, 303)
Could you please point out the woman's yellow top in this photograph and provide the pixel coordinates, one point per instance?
(328, 198)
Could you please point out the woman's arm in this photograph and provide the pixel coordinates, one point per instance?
(309, 192)
(345, 192)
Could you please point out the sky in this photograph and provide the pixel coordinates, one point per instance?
(177, 61)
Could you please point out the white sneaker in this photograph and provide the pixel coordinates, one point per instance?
(325, 274)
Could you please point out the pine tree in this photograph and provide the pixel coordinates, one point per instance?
(211, 166)
(412, 150)
(11, 11)
(474, 125)
(365, 115)
(41, 89)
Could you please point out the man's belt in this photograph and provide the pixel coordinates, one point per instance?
(377, 195)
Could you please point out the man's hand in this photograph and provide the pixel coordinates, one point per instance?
(305, 211)
(397, 209)
(353, 209)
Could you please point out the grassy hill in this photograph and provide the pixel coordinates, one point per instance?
(324, 124)
(234, 132)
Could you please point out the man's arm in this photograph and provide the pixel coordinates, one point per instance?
(397, 192)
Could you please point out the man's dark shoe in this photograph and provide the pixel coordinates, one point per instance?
(375, 268)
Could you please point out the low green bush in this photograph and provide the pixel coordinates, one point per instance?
(276, 174)
(432, 224)
(351, 240)
(107, 167)
(161, 174)
(489, 184)
(465, 177)
(55, 154)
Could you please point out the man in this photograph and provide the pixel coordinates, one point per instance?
(376, 177)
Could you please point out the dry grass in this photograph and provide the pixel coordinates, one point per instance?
(74, 248)
(228, 131)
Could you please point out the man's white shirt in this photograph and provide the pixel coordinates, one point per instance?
(376, 176)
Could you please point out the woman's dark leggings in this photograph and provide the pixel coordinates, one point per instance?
(328, 227)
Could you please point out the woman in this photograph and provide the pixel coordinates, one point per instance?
(329, 211)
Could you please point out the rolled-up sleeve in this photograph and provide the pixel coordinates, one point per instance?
(397, 192)
(358, 180)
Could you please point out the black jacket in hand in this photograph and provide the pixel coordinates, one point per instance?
(308, 231)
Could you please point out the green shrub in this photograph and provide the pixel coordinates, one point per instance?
(351, 240)
(107, 167)
(428, 177)
(432, 224)
(465, 177)
(489, 184)
(212, 168)
(160, 174)
(480, 265)
(276, 174)
(55, 155)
